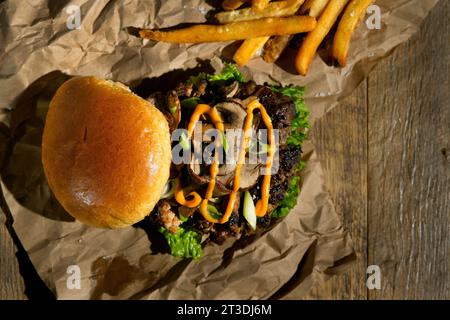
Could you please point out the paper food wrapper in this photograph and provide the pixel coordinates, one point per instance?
(38, 52)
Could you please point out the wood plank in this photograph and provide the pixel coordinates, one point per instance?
(11, 283)
(341, 142)
(409, 165)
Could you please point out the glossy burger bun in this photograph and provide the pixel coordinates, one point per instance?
(106, 152)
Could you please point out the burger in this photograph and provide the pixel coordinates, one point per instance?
(113, 158)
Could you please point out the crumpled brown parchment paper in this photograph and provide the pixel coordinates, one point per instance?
(38, 52)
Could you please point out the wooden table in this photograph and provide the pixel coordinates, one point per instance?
(386, 154)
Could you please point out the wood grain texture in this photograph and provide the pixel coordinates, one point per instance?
(11, 283)
(408, 170)
(340, 139)
(409, 165)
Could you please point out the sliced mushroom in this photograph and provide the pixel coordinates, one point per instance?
(195, 171)
(174, 106)
(202, 178)
(184, 89)
(201, 88)
(224, 182)
(231, 90)
(249, 177)
(247, 89)
(232, 113)
(186, 212)
(226, 169)
(169, 106)
(157, 99)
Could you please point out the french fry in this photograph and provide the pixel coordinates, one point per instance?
(313, 8)
(232, 4)
(312, 41)
(292, 2)
(273, 9)
(248, 50)
(274, 47)
(352, 15)
(233, 31)
(250, 47)
(259, 5)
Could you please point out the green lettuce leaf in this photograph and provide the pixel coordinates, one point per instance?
(183, 244)
(290, 199)
(228, 74)
(300, 124)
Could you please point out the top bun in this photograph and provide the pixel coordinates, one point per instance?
(106, 152)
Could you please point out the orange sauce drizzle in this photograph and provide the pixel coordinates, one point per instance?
(262, 204)
(179, 197)
(200, 110)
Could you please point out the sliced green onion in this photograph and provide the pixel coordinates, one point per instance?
(214, 212)
(173, 109)
(183, 218)
(184, 142)
(224, 142)
(169, 189)
(249, 210)
(215, 200)
(264, 148)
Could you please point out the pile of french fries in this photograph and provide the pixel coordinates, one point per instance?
(268, 26)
